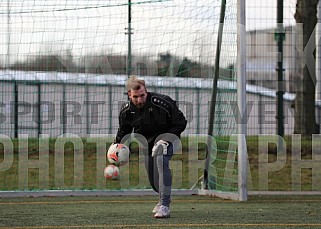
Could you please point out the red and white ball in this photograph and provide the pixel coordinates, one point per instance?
(118, 154)
(111, 172)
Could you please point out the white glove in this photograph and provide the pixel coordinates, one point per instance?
(160, 148)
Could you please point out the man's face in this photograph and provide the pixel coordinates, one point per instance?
(138, 97)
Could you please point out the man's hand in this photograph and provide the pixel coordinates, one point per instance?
(160, 148)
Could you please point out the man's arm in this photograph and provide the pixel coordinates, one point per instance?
(124, 123)
(176, 120)
(179, 121)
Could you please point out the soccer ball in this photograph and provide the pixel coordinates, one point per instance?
(111, 172)
(118, 154)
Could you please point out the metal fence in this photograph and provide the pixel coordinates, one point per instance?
(37, 103)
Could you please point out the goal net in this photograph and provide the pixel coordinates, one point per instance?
(64, 65)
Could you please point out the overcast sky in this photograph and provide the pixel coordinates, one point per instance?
(99, 25)
(263, 13)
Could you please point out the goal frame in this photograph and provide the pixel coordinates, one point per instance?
(242, 193)
(242, 152)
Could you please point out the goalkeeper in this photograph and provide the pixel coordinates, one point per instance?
(157, 123)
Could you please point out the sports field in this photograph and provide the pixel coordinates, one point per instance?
(135, 212)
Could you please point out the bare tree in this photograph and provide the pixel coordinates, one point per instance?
(304, 105)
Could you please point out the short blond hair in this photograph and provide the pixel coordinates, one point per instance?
(133, 83)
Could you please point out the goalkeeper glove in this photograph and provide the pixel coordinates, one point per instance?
(160, 148)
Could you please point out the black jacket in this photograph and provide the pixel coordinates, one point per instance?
(159, 115)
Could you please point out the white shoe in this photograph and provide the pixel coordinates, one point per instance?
(163, 212)
(156, 208)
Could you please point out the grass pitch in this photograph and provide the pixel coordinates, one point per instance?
(135, 212)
